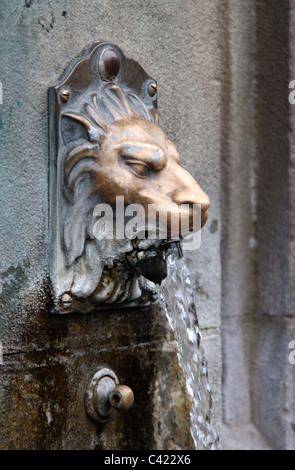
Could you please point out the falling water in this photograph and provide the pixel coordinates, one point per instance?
(176, 295)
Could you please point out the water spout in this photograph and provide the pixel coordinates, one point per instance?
(176, 295)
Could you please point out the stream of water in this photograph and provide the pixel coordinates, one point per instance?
(177, 297)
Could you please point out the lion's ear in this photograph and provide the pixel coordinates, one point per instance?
(72, 131)
(94, 133)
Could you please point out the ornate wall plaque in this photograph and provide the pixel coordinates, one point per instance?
(107, 157)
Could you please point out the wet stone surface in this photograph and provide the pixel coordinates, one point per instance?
(45, 372)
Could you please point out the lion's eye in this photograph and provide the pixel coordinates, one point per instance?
(140, 168)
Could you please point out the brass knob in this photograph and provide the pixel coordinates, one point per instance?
(121, 398)
(103, 394)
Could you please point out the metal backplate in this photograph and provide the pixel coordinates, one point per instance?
(87, 276)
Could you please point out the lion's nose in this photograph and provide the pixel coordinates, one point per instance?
(184, 196)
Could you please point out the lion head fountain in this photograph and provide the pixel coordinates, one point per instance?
(108, 157)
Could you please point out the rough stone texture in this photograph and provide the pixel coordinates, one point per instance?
(237, 149)
(291, 168)
(258, 223)
(273, 376)
(44, 383)
(47, 359)
(243, 438)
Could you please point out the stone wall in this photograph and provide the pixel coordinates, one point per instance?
(47, 359)
(258, 224)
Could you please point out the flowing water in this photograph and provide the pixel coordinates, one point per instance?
(176, 295)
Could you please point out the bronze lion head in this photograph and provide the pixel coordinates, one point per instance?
(112, 147)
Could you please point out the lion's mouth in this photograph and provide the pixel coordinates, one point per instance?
(151, 261)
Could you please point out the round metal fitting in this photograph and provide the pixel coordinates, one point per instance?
(109, 64)
(121, 398)
(65, 95)
(152, 89)
(99, 387)
(66, 301)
